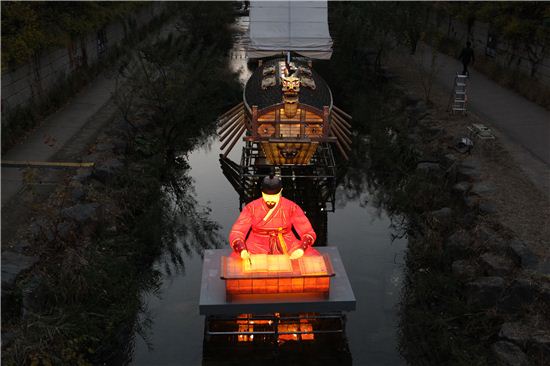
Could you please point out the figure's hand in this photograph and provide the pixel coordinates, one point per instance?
(306, 242)
(239, 246)
(298, 253)
(245, 254)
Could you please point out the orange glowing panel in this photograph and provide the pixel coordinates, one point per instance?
(313, 265)
(267, 263)
(308, 329)
(292, 329)
(310, 284)
(294, 332)
(276, 274)
(245, 337)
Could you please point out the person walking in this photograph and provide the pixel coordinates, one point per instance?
(467, 56)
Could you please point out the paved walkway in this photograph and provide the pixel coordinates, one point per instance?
(70, 128)
(524, 122)
(56, 132)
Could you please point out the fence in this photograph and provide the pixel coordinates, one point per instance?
(32, 81)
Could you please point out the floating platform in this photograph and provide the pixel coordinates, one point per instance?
(213, 299)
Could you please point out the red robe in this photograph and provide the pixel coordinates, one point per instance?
(266, 235)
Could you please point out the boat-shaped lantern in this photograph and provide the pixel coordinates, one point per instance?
(289, 125)
(287, 116)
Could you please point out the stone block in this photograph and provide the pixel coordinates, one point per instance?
(485, 291)
(486, 207)
(461, 187)
(509, 354)
(539, 345)
(13, 264)
(522, 292)
(522, 254)
(464, 269)
(81, 213)
(107, 170)
(481, 188)
(468, 174)
(459, 244)
(82, 175)
(515, 332)
(496, 265)
(428, 167)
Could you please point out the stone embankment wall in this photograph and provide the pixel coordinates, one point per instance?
(87, 204)
(499, 274)
(487, 43)
(31, 82)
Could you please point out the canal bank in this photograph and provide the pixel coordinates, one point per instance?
(477, 260)
(489, 270)
(94, 239)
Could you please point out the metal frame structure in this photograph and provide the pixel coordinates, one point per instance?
(325, 341)
(272, 327)
(312, 183)
(317, 178)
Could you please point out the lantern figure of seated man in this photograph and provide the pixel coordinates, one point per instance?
(270, 219)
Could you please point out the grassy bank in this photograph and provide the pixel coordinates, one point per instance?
(81, 301)
(18, 121)
(437, 325)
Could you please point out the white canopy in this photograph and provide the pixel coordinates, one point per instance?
(280, 26)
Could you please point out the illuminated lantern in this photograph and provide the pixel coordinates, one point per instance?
(291, 88)
(270, 274)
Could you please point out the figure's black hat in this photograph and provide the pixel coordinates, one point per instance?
(271, 184)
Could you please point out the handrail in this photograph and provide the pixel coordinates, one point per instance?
(273, 107)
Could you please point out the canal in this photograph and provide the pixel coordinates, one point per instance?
(359, 227)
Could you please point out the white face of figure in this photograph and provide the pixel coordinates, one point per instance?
(291, 84)
(271, 199)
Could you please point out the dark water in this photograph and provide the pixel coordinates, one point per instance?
(360, 230)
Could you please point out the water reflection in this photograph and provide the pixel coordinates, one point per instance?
(360, 230)
(237, 57)
(360, 227)
(188, 227)
(373, 180)
(331, 350)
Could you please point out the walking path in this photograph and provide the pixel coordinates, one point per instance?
(522, 126)
(56, 132)
(523, 121)
(70, 129)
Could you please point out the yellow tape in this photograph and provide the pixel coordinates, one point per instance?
(46, 164)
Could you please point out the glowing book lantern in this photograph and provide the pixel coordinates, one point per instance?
(276, 274)
(267, 263)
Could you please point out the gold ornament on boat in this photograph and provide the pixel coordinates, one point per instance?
(291, 88)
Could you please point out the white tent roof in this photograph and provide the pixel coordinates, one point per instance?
(279, 26)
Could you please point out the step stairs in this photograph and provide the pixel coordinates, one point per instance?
(459, 99)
